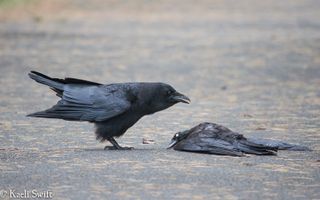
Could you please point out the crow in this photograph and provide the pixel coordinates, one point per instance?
(212, 138)
(112, 108)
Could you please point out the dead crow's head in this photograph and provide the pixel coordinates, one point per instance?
(177, 138)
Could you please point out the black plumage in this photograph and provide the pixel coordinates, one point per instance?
(113, 108)
(216, 139)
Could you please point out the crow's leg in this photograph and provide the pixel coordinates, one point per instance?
(115, 146)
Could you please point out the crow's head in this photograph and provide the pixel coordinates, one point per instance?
(163, 96)
(178, 137)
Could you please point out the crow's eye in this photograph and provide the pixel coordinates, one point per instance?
(176, 135)
(169, 92)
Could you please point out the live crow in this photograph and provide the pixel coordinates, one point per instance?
(216, 139)
(113, 108)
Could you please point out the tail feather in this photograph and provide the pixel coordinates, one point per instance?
(46, 80)
(40, 114)
(252, 148)
(59, 93)
(71, 116)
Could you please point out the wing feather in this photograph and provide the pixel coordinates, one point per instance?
(88, 103)
(217, 146)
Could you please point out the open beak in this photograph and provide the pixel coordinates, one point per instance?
(172, 143)
(180, 98)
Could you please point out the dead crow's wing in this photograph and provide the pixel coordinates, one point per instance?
(216, 146)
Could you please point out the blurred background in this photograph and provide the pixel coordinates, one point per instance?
(253, 66)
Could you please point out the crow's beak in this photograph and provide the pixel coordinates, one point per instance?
(172, 143)
(177, 97)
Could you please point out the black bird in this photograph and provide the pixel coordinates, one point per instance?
(216, 139)
(113, 108)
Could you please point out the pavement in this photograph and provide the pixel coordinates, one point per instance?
(251, 66)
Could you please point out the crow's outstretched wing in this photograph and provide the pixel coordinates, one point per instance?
(88, 103)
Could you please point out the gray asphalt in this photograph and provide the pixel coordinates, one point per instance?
(251, 66)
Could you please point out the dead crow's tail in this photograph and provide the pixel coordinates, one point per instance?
(278, 144)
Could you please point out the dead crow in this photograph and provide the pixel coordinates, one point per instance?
(216, 139)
